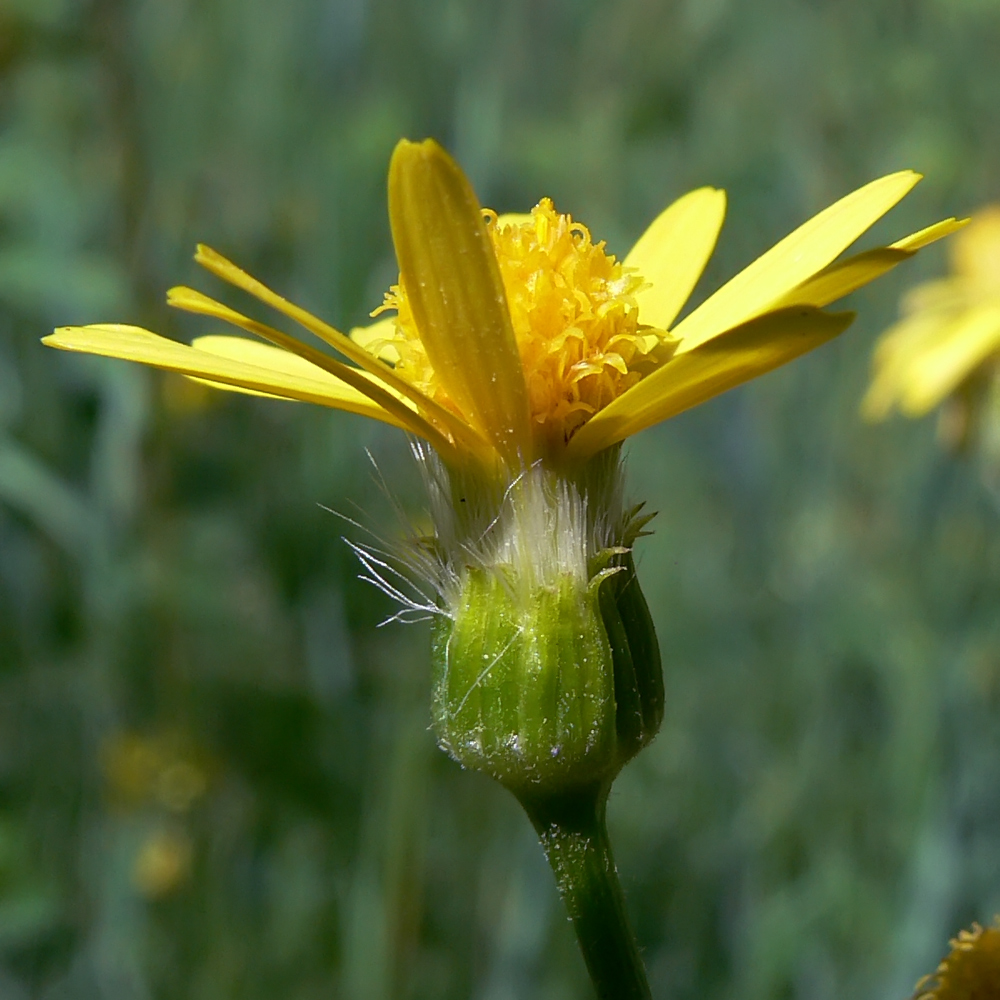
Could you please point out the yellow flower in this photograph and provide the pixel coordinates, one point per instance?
(518, 339)
(162, 863)
(949, 334)
(970, 972)
(152, 770)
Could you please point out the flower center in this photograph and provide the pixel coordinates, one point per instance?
(574, 314)
(970, 971)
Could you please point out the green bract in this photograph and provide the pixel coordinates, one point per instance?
(547, 669)
(525, 691)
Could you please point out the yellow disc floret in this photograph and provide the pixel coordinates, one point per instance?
(574, 314)
(970, 972)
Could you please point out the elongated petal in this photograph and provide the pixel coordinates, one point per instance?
(968, 341)
(253, 352)
(794, 260)
(845, 276)
(893, 356)
(941, 295)
(720, 364)
(672, 253)
(372, 385)
(452, 279)
(925, 237)
(228, 271)
(235, 348)
(132, 343)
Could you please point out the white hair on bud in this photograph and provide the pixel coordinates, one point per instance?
(539, 530)
(539, 534)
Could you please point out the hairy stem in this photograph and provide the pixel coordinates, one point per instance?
(574, 836)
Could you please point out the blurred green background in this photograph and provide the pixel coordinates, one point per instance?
(216, 778)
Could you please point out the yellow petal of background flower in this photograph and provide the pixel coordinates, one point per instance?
(672, 253)
(901, 343)
(452, 280)
(894, 353)
(845, 276)
(969, 340)
(132, 343)
(941, 295)
(726, 361)
(793, 261)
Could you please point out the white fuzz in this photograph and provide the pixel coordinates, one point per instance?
(539, 536)
(542, 530)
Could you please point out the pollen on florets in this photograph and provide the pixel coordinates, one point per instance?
(574, 313)
(970, 972)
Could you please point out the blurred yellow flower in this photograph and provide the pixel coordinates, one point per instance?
(970, 972)
(162, 863)
(152, 770)
(948, 339)
(518, 339)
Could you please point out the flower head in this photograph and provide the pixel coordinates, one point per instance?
(971, 971)
(523, 354)
(947, 344)
(574, 316)
(519, 339)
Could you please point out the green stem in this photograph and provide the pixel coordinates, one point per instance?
(574, 836)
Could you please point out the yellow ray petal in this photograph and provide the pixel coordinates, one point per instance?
(132, 343)
(941, 295)
(726, 361)
(925, 237)
(228, 271)
(893, 356)
(845, 276)
(793, 260)
(910, 337)
(238, 389)
(253, 352)
(672, 253)
(236, 348)
(272, 358)
(453, 284)
(967, 342)
(373, 386)
(382, 329)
